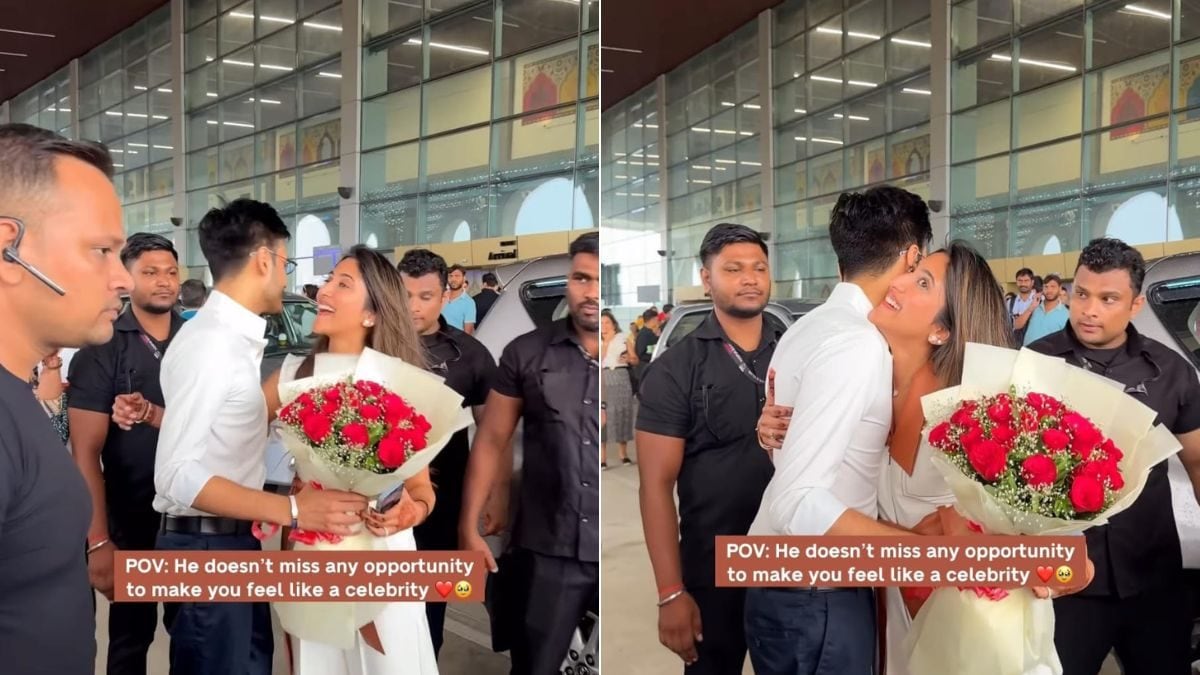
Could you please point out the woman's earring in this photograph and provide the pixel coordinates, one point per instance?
(933, 339)
(368, 323)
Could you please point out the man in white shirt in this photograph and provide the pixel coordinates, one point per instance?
(210, 464)
(835, 370)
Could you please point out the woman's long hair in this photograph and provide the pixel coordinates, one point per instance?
(974, 312)
(393, 333)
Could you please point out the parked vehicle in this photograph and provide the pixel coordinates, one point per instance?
(687, 318)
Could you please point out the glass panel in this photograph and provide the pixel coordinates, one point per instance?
(977, 22)
(392, 66)
(390, 173)
(527, 23)
(865, 24)
(112, 89)
(1131, 90)
(200, 10)
(202, 45)
(161, 144)
(308, 7)
(381, 17)
(134, 39)
(456, 159)
(460, 42)
(450, 216)
(389, 223)
(160, 65)
(910, 103)
(909, 51)
(276, 55)
(202, 134)
(1048, 172)
(979, 186)
(236, 28)
(318, 186)
(89, 99)
(1045, 228)
(789, 20)
(1051, 54)
(392, 118)
(825, 43)
(865, 164)
(986, 232)
(867, 117)
(274, 14)
(137, 78)
(322, 89)
(865, 70)
(137, 150)
(1126, 155)
(237, 118)
(112, 125)
(320, 139)
(1187, 66)
(791, 101)
(1030, 12)
(267, 157)
(906, 12)
(982, 79)
(440, 6)
(111, 59)
(202, 86)
(276, 104)
(321, 36)
(535, 144)
(89, 129)
(134, 184)
(825, 174)
(458, 101)
(1139, 216)
(237, 72)
(541, 79)
(136, 114)
(591, 15)
(1187, 144)
(1122, 32)
(789, 60)
(819, 10)
(825, 87)
(980, 132)
(1049, 113)
(237, 161)
(1189, 19)
(909, 151)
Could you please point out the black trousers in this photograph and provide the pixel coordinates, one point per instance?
(217, 638)
(723, 650)
(1151, 632)
(555, 595)
(131, 625)
(439, 532)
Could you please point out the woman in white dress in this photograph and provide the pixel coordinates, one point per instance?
(364, 304)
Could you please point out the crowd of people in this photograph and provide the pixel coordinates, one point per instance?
(169, 420)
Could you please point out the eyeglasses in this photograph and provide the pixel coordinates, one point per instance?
(289, 265)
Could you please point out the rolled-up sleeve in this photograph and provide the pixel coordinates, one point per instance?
(194, 391)
(834, 386)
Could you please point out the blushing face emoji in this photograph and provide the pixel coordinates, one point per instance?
(1064, 575)
(463, 589)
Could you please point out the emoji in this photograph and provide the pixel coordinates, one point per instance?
(1045, 572)
(444, 588)
(463, 589)
(1064, 574)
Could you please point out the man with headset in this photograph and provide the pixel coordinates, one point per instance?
(1137, 604)
(468, 368)
(61, 282)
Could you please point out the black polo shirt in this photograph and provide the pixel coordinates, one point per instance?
(469, 369)
(696, 391)
(559, 386)
(483, 303)
(126, 364)
(1139, 548)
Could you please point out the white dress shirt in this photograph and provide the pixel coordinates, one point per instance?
(215, 422)
(835, 369)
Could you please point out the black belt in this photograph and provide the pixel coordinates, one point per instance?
(204, 525)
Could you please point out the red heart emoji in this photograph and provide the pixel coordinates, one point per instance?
(1044, 573)
(444, 587)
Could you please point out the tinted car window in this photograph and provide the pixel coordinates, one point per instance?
(545, 299)
(684, 327)
(302, 316)
(1177, 305)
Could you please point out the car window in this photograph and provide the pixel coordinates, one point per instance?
(1177, 305)
(545, 300)
(684, 327)
(302, 315)
(277, 336)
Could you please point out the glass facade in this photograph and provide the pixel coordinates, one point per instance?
(477, 119)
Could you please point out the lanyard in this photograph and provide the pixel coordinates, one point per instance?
(150, 345)
(741, 364)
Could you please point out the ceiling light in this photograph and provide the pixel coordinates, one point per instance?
(621, 49)
(165, 90)
(752, 106)
(13, 54)
(141, 115)
(234, 62)
(121, 152)
(822, 78)
(727, 104)
(702, 130)
(702, 167)
(322, 26)
(25, 32)
(453, 48)
(165, 147)
(829, 31)
(119, 166)
(1032, 62)
(241, 15)
(265, 100)
(137, 145)
(112, 113)
(333, 75)
(726, 161)
(858, 118)
(729, 132)
(865, 36)
(210, 94)
(912, 43)
(752, 163)
(923, 92)
(272, 66)
(859, 83)
(830, 141)
(161, 117)
(1146, 11)
(702, 182)
(801, 112)
(139, 87)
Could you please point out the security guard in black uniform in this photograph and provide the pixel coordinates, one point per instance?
(1138, 603)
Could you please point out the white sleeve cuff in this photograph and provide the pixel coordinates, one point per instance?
(190, 478)
(815, 513)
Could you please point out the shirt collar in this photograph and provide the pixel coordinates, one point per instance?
(128, 323)
(851, 295)
(563, 330)
(1066, 342)
(229, 312)
(710, 328)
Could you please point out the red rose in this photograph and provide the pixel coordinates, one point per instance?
(1087, 494)
(421, 424)
(333, 395)
(1029, 421)
(304, 400)
(1004, 435)
(356, 435)
(1000, 412)
(367, 388)
(989, 458)
(1111, 451)
(370, 413)
(1104, 472)
(414, 437)
(965, 416)
(1083, 446)
(1056, 439)
(395, 409)
(974, 435)
(317, 428)
(1039, 471)
(1044, 405)
(331, 408)
(391, 450)
(939, 435)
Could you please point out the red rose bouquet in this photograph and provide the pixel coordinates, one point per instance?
(1027, 445)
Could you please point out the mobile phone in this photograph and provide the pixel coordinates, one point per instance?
(390, 499)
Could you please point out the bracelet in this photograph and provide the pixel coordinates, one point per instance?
(295, 512)
(671, 597)
(428, 508)
(97, 546)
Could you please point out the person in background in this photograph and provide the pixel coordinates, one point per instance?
(695, 434)
(459, 310)
(551, 378)
(485, 298)
(616, 391)
(468, 368)
(1050, 315)
(115, 409)
(310, 291)
(1138, 603)
(61, 283)
(52, 394)
(666, 312)
(192, 295)
(646, 340)
(1020, 307)
(210, 464)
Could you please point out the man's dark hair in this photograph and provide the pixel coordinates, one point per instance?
(725, 234)
(144, 242)
(650, 314)
(1107, 254)
(585, 243)
(192, 294)
(310, 291)
(1052, 277)
(489, 279)
(870, 229)
(27, 156)
(1024, 272)
(230, 234)
(418, 262)
(668, 307)
(457, 268)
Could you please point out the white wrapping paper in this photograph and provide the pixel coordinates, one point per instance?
(959, 632)
(337, 623)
